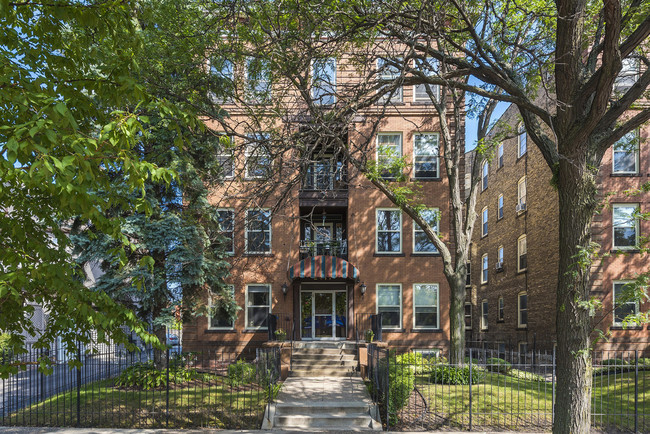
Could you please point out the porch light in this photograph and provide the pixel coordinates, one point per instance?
(285, 288)
(363, 288)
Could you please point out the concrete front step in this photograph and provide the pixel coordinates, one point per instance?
(323, 421)
(339, 408)
(317, 357)
(343, 345)
(325, 364)
(320, 372)
(323, 351)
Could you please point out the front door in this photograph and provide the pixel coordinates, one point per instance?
(323, 314)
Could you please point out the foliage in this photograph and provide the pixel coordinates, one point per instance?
(448, 374)
(241, 373)
(369, 335)
(496, 364)
(280, 335)
(525, 375)
(5, 347)
(146, 376)
(401, 382)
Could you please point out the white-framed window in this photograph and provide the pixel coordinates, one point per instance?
(500, 155)
(323, 78)
(422, 243)
(389, 304)
(500, 258)
(623, 305)
(389, 150)
(219, 318)
(522, 348)
(423, 92)
(484, 315)
(389, 231)
(625, 154)
(226, 220)
(625, 225)
(426, 162)
(425, 306)
(500, 207)
(428, 353)
(484, 177)
(628, 75)
(258, 79)
(387, 71)
(522, 309)
(225, 157)
(223, 71)
(501, 311)
(484, 268)
(468, 274)
(484, 221)
(258, 156)
(258, 305)
(522, 253)
(258, 231)
(468, 315)
(521, 194)
(522, 139)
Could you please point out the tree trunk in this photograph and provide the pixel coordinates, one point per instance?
(457, 319)
(577, 202)
(160, 356)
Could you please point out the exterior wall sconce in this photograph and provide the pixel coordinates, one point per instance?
(363, 288)
(285, 288)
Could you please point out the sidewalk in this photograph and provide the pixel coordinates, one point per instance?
(30, 430)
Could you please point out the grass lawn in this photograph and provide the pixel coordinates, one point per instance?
(208, 402)
(504, 402)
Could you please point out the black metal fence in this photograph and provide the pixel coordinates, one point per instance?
(503, 390)
(144, 389)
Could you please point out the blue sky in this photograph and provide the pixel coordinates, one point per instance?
(471, 124)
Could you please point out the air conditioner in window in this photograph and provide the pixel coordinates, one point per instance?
(499, 266)
(521, 207)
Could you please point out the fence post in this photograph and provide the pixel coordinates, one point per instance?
(470, 389)
(167, 393)
(553, 390)
(387, 395)
(79, 386)
(636, 391)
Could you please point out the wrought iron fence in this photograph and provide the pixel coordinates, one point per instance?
(364, 322)
(144, 389)
(497, 390)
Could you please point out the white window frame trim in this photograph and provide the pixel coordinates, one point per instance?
(388, 98)
(247, 155)
(519, 323)
(485, 176)
(246, 250)
(521, 126)
(270, 288)
(437, 327)
(500, 156)
(415, 226)
(233, 228)
(231, 154)
(335, 80)
(483, 269)
(437, 86)
(637, 226)
(501, 301)
(401, 304)
(437, 157)
(485, 225)
(468, 303)
(401, 231)
(483, 316)
(401, 146)
(232, 286)
(637, 152)
(521, 237)
(636, 302)
(500, 206)
(521, 181)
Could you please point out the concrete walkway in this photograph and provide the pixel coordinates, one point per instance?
(313, 390)
(33, 430)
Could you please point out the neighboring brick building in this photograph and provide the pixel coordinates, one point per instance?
(310, 261)
(515, 257)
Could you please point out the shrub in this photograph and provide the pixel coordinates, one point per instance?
(146, 376)
(525, 375)
(455, 375)
(496, 364)
(401, 380)
(613, 362)
(241, 372)
(5, 348)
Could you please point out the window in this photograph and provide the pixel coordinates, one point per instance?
(484, 220)
(225, 156)
(521, 195)
(389, 231)
(523, 350)
(425, 155)
(486, 168)
(389, 305)
(425, 305)
(258, 156)
(628, 75)
(501, 312)
(258, 231)
(484, 269)
(258, 79)
(258, 305)
(422, 243)
(522, 310)
(522, 253)
(468, 316)
(500, 207)
(425, 92)
(499, 265)
(323, 89)
(626, 226)
(219, 318)
(226, 220)
(223, 71)
(522, 139)
(388, 73)
(468, 274)
(500, 155)
(484, 315)
(623, 306)
(626, 154)
(389, 151)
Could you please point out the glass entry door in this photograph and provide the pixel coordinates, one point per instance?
(323, 314)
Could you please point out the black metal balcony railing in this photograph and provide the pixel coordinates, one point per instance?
(338, 248)
(324, 177)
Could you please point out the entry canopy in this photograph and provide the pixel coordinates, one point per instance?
(323, 267)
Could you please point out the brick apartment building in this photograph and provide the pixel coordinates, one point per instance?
(511, 304)
(337, 250)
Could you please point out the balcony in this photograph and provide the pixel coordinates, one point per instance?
(325, 184)
(338, 248)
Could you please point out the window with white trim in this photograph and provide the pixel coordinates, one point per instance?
(226, 220)
(522, 253)
(258, 305)
(625, 225)
(224, 72)
(628, 75)
(468, 316)
(622, 301)
(389, 305)
(500, 155)
(421, 242)
(424, 92)
(522, 309)
(625, 154)
(521, 194)
(484, 178)
(468, 274)
(425, 155)
(425, 305)
(500, 258)
(484, 268)
(389, 231)
(484, 221)
(522, 139)
(388, 72)
(484, 315)
(500, 207)
(225, 157)
(258, 231)
(323, 76)
(389, 151)
(258, 79)
(501, 311)
(219, 319)
(258, 156)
